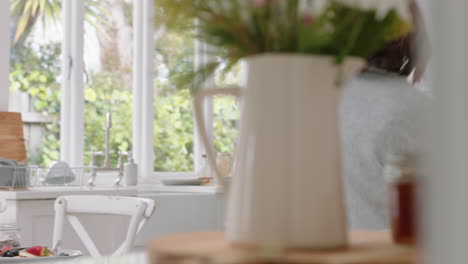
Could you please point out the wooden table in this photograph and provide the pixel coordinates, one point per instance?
(210, 247)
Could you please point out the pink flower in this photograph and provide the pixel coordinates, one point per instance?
(307, 18)
(261, 3)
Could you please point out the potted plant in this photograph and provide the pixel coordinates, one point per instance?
(287, 186)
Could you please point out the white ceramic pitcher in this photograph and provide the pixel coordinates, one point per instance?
(287, 187)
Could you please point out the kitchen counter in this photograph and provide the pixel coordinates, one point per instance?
(40, 193)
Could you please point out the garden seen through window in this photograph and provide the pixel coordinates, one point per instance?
(35, 74)
(35, 80)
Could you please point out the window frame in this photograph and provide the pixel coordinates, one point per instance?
(72, 86)
(143, 91)
(4, 53)
(143, 96)
(201, 57)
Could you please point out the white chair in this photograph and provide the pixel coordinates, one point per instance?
(66, 208)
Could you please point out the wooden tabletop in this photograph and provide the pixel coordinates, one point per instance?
(368, 247)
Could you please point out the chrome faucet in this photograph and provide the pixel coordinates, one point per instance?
(107, 146)
(107, 167)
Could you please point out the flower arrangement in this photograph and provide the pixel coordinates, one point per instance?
(241, 28)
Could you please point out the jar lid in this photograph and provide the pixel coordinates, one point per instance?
(9, 228)
(401, 166)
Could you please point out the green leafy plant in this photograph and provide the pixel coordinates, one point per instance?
(27, 13)
(35, 73)
(239, 29)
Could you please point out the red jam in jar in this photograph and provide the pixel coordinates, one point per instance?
(402, 211)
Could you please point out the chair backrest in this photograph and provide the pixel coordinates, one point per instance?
(66, 208)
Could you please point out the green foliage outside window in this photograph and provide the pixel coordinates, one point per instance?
(37, 72)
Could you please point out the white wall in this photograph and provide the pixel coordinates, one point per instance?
(4, 53)
(446, 196)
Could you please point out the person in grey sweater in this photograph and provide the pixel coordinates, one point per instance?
(380, 116)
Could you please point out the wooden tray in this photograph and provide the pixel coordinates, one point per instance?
(3, 189)
(210, 247)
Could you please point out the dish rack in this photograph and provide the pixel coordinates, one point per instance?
(12, 177)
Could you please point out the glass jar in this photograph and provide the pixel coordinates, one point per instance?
(402, 211)
(400, 173)
(9, 236)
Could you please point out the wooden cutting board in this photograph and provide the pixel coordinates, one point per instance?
(12, 145)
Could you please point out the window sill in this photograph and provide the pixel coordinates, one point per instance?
(160, 188)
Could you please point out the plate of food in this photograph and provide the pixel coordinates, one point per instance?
(35, 254)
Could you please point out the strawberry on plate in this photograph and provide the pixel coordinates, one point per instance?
(39, 251)
(4, 249)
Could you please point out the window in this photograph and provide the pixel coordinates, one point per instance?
(173, 122)
(74, 61)
(35, 69)
(108, 62)
(226, 112)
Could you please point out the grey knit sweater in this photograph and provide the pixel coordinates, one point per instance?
(379, 116)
